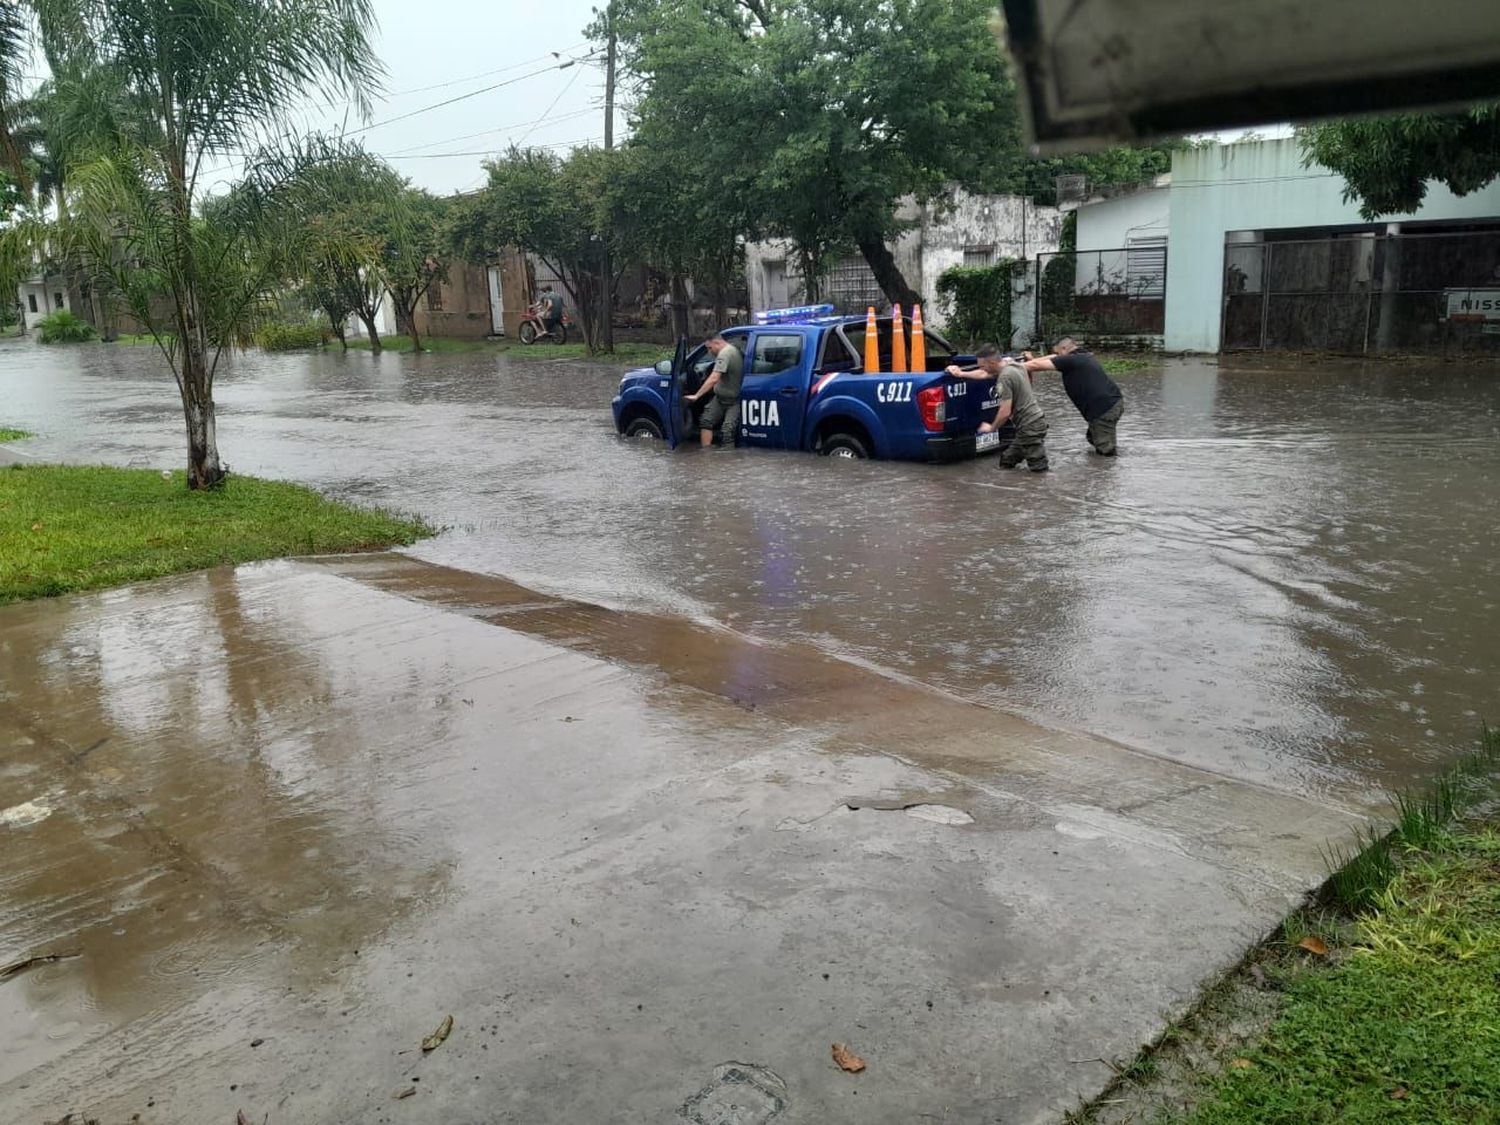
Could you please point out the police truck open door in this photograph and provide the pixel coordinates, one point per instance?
(677, 420)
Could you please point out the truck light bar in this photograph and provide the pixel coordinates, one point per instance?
(794, 315)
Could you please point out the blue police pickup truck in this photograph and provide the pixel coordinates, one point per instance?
(805, 388)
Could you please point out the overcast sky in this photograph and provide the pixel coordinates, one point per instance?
(443, 50)
(461, 47)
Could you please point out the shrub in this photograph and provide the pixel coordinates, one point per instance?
(280, 337)
(62, 327)
(980, 300)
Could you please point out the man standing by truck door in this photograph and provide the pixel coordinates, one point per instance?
(1095, 394)
(723, 383)
(1017, 401)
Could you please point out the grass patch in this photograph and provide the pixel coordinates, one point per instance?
(1404, 1025)
(1120, 364)
(1378, 1003)
(436, 345)
(625, 352)
(65, 528)
(8, 434)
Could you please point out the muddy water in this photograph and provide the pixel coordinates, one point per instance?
(1289, 574)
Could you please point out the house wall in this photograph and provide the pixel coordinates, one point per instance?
(458, 308)
(1257, 186)
(1014, 227)
(46, 291)
(1108, 224)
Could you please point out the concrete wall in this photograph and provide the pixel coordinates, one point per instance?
(46, 291)
(1108, 224)
(1014, 227)
(1255, 186)
(458, 307)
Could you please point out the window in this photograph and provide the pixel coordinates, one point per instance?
(701, 361)
(852, 286)
(58, 298)
(979, 255)
(31, 300)
(775, 353)
(1146, 268)
(435, 297)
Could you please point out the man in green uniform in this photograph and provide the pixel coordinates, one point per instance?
(723, 383)
(1017, 401)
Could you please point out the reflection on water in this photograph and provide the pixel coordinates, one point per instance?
(1289, 573)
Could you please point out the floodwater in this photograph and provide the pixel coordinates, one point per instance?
(1289, 574)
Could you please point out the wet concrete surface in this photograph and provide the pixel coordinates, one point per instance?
(1158, 686)
(290, 816)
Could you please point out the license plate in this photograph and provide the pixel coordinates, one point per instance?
(983, 442)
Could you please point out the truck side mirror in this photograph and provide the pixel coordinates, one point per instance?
(664, 367)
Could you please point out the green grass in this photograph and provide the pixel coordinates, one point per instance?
(437, 345)
(1405, 1024)
(8, 434)
(1120, 364)
(66, 528)
(630, 352)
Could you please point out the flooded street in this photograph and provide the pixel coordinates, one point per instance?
(1289, 575)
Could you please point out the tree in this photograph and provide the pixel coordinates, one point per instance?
(216, 77)
(1387, 162)
(413, 252)
(837, 112)
(556, 208)
(345, 272)
(692, 230)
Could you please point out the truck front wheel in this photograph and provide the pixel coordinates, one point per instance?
(847, 447)
(643, 426)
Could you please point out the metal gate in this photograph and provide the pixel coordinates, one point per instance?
(1364, 293)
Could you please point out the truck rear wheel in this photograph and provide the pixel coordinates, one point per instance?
(644, 427)
(846, 447)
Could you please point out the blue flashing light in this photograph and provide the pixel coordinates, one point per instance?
(797, 315)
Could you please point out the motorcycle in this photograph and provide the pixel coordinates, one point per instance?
(534, 328)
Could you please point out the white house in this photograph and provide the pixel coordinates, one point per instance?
(964, 229)
(1228, 202)
(40, 295)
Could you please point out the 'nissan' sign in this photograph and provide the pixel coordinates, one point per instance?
(1473, 304)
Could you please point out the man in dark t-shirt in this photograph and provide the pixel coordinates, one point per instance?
(1093, 392)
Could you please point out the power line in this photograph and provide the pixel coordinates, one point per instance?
(490, 132)
(465, 97)
(550, 107)
(487, 151)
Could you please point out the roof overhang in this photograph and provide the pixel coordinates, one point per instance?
(1100, 72)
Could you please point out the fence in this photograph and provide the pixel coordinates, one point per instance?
(1364, 293)
(1102, 293)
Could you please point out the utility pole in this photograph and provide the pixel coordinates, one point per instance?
(607, 328)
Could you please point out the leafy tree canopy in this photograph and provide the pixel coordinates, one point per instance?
(1387, 162)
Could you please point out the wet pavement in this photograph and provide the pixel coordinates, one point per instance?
(1128, 703)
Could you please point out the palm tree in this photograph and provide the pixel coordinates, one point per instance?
(218, 78)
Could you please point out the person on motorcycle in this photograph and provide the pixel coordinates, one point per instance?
(550, 304)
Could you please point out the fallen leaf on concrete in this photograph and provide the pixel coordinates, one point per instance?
(17, 967)
(1240, 1064)
(409, 1092)
(847, 1059)
(435, 1040)
(1400, 1092)
(1314, 945)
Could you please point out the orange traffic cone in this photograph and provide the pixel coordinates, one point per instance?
(898, 341)
(872, 344)
(918, 340)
